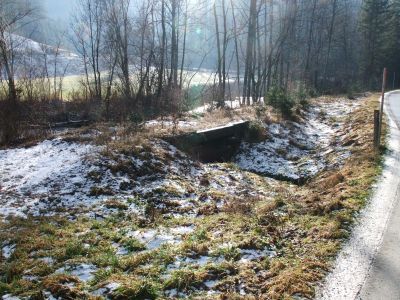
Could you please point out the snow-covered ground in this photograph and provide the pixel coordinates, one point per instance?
(51, 173)
(298, 151)
(72, 178)
(56, 176)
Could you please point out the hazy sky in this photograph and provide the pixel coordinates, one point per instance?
(59, 9)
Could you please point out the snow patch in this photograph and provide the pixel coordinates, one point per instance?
(10, 297)
(8, 250)
(84, 272)
(155, 238)
(249, 255)
(107, 289)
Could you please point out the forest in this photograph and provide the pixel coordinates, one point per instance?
(133, 57)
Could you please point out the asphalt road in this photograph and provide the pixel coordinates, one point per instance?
(383, 280)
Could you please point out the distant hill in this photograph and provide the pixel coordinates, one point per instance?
(32, 58)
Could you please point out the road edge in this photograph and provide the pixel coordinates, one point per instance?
(353, 263)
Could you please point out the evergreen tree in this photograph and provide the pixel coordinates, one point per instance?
(393, 48)
(373, 26)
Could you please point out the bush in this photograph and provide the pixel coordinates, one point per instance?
(302, 96)
(280, 100)
(192, 97)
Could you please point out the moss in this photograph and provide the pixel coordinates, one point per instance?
(222, 270)
(167, 190)
(64, 287)
(101, 275)
(199, 235)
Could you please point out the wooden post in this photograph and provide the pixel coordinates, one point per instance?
(382, 106)
(376, 129)
(394, 80)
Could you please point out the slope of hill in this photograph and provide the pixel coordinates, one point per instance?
(35, 59)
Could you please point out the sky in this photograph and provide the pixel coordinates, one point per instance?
(59, 9)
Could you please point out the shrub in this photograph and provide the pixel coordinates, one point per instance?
(192, 97)
(280, 100)
(302, 96)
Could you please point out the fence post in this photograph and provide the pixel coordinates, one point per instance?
(376, 129)
(382, 106)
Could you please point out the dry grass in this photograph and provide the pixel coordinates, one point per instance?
(325, 208)
(305, 225)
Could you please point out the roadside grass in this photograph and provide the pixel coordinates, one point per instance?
(275, 246)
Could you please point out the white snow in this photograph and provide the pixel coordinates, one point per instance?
(8, 250)
(29, 176)
(120, 250)
(47, 260)
(24, 169)
(251, 254)
(107, 289)
(175, 293)
(30, 277)
(210, 283)
(293, 151)
(182, 230)
(10, 297)
(49, 296)
(187, 262)
(84, 272)
(155, 238)
(52, 177)
(168, 124)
